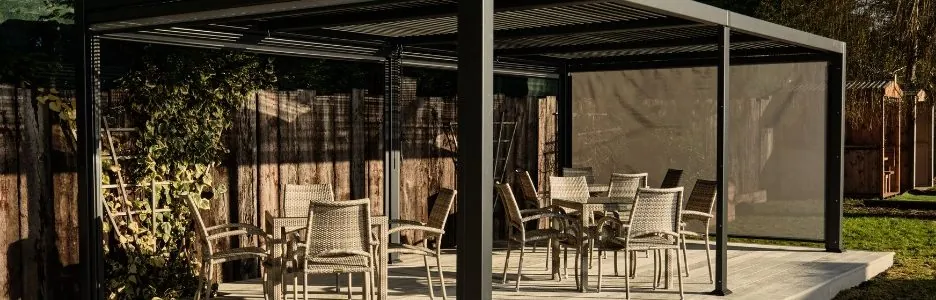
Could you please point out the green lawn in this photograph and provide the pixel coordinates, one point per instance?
(911, 234)
(927, 195)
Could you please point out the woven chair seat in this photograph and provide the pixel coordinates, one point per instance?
(409, 249)
(238, 253)
(690, 233)
(544, 234)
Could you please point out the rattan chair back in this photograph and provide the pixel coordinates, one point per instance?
(338, 225)
(296, 198)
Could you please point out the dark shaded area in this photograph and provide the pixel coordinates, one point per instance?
(890, 208)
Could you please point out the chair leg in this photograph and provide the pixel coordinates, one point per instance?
(506, 263)
(565, 262)
(679, 269)
(627, 255)
(616, 264)
(656, 272)
(429, 278)
(201, 282)
(266, 285)
(368, 285)
(305, 286)
(599, 270)
(708, 256)
(296, 287)
(548, 250)
(685, 259)
(441, 277)
(208, 289)
(350, 284)
(520, 267)
(633, 266)
(576, 266)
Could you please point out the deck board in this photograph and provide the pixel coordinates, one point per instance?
(755, 272)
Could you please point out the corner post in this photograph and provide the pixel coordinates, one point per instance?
(475, 141)
(90, 205)
(721, 217)
(835, 144)
(564, 122)
(393, 81)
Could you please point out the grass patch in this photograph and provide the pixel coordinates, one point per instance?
(928, 194)
(910, 234)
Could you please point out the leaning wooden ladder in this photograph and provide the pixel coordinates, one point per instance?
(502, 154)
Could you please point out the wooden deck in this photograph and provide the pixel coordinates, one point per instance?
(755, 272)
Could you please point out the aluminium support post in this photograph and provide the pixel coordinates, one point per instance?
(835, 143)
(475, 141)
(393, 81)
(564, 119)
(721, 216)
(90, 208)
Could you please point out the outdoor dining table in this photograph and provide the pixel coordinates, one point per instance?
(275, 225)
(587, 208)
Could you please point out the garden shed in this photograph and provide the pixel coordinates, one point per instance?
(873, 138)
(923, 155)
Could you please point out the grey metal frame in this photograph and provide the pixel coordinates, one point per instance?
(835, 147)
(475, 135)
(393, 159)
(476, 60)
(721, 154)
(90, 204)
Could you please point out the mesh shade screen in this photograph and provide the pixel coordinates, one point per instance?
(651, 120)
(645, 121)
(776, 165)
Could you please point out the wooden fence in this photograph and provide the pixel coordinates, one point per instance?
(278, 138)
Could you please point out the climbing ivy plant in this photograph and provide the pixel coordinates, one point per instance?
(182, 102)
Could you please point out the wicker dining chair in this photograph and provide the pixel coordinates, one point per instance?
(295, 204)
(673, 178)
(297, 197)
(625, 186)
(533, 199)
(337, 240)
(518, 233)
(432, 230)
(211, 257)
(571, 188)
(699, 208)
(654, 225)
(588, 172)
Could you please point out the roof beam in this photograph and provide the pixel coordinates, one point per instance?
(619, 26)
(306, 22)
(742, 55)
(200, 12)
(632, 45)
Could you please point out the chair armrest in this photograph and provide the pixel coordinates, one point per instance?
(339, 252)
(241, 229)
(539, 213)
(698, 214)
(416, 228)
(406, 222)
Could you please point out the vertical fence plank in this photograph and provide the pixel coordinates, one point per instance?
(306, 164)
(341, 144)
(547, 141)
(373, 118)
(357, 145)
(245, 161)
(36, 199)
(268, 145)
(10, 198)
(324, 166)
